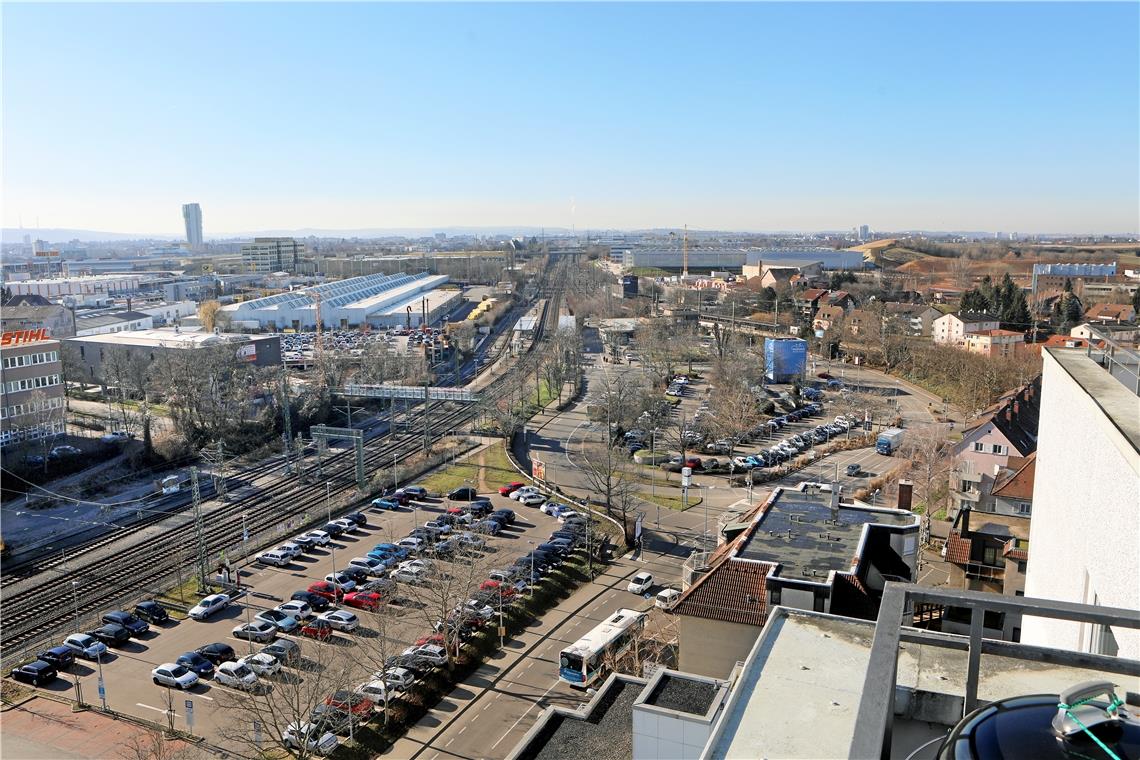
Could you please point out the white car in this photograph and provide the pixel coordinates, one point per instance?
(368, 565)
(470, 541)
(438, 528)
(298, 609)
(377, 691)
(409, 574)
(261, 663)
(280, 619)
(431, 654)
(397, 678)
(564, 516)
(209, 606)
(348, 526)
(667, 599)
(518, 494)
(340, 620)
(420, 565)
(85, 646)
(531, 499)
(235, 674)
(298, 735)
(486, 612)
(341, 581)
(640, 583)
(318, 537)
(290, 548)
(176, 676)
(411, 544)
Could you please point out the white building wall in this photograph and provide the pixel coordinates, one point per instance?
(1084, 540)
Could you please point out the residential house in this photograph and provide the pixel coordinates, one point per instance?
(987, 552)
(55, 319)
(863, 322)
(951, 329)
(842, 299)
(1111, 313)
(1123, 334)
(800, 548)
(808, 302)
(1013, 489)
(994, 342)
(1006, 429)
(827, 317)
(779, 277)
(915, 318)
(1065, 341)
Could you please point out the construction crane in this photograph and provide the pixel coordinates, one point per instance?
(685, 254)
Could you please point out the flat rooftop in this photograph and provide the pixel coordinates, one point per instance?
(1113, 390)
(687, 695)
(606, 733)
(160, 338)
(800, 531)
(435, 298)
(798, 694)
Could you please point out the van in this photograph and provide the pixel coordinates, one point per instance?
(275, 558)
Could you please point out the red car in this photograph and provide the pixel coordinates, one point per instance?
(318, 629)
(358, 704)
(364, 600)
(694, 462)
(510, 488)
(435, 638)
(495, 587)
(327, 590)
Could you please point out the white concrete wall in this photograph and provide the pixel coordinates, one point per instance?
(1084, 541)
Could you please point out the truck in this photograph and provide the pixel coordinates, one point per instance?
(889, 441)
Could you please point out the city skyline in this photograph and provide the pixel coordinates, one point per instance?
(764, 117)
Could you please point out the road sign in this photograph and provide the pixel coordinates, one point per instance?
(686, 477)
(190, 715)
(538, 469)
(102, 691)
(257, 733)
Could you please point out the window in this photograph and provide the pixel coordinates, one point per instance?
(1023, 508)
(775, 596)
(1021, 566)
(989, 555)
(998, 448)
(1019, 593)
(979, 446)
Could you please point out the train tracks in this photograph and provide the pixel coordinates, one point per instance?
(97, 576)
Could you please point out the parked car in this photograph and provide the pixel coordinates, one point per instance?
(36, 673)
(85, 645)
(309, 737)
(341, 581)
(217, 653)
(854, 469)
(290, 549)
(63, 452)
(463, 493)
(388, 504)
(468, 540)
(261, 663)
(521, 492)
(286, 651)
(260, 631)
(375, 690)
(319, 537)
(305, 542)
(152, 611)
(510, 488)
(346, 525)
(174, 675)
(317, 629)
(428, 654)
(365, 600)
(209, 605)
(667, 598)
(112, 634)
(237, 675)
(412, 543)
(438, 528)
(399, 551)
(60, 658)
(135, 626)
(275, 559)
(333, 528)
(531, 499)
(359, 518)
(507, 514)
(317, 602)
(340, 620)
(413, 492)
(489, 527)
(350, 701)
(640, 583)
(282, 621)
(197, 663)
(116, 436)
(357, 574)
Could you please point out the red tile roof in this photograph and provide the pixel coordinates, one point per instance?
(957, 549)
(734, 591)
(812, 294)
(1019, 483)
(1012, 551)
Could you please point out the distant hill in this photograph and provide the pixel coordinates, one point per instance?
(62, 235)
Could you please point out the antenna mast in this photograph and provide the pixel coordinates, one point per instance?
(685, 254)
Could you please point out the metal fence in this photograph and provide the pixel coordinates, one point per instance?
(872, 736)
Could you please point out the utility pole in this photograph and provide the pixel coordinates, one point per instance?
(286, 419)
(196, 496)
(427, 416)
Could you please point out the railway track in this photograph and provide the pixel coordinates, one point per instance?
(82, 588)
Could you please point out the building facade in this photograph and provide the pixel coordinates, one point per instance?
(951, 329)
(1086, 522)
(112, 322)
(266, 255)
(192, 216)
(994, 342)
(31, 387)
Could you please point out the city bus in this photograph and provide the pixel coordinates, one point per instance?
(585, 661)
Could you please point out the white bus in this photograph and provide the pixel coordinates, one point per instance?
(584, 662)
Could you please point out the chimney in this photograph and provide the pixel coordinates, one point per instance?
(906, 494)
(964, 521)
(128, 303)
(1016, 406)
(1008, 416)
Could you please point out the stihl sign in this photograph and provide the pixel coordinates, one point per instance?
(16, 337)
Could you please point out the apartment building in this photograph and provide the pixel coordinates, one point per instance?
(266, 255)
(951, 329)
(31, 387)
(994, 342)
(914, 318)
(1111, 313)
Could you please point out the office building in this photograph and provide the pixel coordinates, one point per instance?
(31, 391)
(192, 216)
(267, 255)
(864, 233)
(1086, 519)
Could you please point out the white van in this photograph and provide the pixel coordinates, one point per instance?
(275, 558)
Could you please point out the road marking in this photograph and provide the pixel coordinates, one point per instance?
(462, 730)
(535, 704)
(203, 696)
(156, 709)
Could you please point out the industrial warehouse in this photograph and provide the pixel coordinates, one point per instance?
(376, 300)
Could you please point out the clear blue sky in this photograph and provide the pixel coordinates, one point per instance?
(741, 116)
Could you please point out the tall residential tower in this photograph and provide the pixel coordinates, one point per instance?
(192, 214)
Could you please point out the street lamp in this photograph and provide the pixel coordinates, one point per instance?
(328, 507)
(75, 602)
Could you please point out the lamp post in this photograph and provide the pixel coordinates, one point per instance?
(75, 602)
(531, 567)
(328, 508)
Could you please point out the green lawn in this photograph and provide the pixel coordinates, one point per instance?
(671, 502)
(486, 469)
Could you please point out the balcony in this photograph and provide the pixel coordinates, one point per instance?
(983, 571)
(971, 496)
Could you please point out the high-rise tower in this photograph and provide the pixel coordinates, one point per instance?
(192, 215)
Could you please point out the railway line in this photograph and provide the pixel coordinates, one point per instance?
(87, 584)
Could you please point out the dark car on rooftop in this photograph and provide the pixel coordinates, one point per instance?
(151, 611)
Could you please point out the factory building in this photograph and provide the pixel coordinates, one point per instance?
(376, 300)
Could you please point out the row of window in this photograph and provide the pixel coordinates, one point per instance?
(995, 448)
(31, 383)
(27, 360)
(48, 430)
(16, 410)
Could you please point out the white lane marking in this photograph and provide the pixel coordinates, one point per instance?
(156, 709)
(534, 705)
(463, 729)
(203, 696)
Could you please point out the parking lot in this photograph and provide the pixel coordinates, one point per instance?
(127, 669)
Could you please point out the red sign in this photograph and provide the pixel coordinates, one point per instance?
(16, 337)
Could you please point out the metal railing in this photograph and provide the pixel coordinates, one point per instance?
(1121, 362)
(872, 737)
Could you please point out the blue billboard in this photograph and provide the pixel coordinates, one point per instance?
(785, 359)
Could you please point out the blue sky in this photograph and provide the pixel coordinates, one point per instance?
(760, 116)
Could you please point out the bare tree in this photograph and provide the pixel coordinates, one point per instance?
(152, 745)
(930, 456)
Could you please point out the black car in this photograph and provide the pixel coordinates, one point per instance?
(558, 549)
(112, 634)
(358, 574)
(333, 530)
(197, 663)
(285, 650)
(332, 718)
(383, 586)
(358, 518)
(463, 493)
(217, 653)
(151, 611)
(316, 601)
(480, 508)
(127, 620)
(506, 514)
(36, 673)
(408, 661)
(60, 658)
